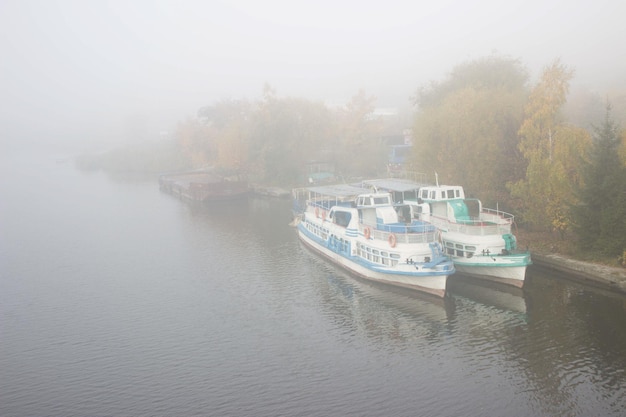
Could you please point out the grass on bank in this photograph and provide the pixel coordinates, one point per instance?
(545, 243)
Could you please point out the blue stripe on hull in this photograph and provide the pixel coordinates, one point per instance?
(367, 264)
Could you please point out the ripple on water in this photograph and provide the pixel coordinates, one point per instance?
(142, 305)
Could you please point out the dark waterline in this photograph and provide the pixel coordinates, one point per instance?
(117, 299)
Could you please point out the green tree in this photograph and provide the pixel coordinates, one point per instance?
(622, 148)
(466, 127)
(599, 218)
(491, 72)
(360, 151)
(286, 134)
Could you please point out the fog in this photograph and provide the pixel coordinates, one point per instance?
(97, 73)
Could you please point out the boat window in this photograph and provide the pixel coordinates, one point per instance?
(450, 193)
(458, 193)
(381, 200)
(410, 195)
(342, 218)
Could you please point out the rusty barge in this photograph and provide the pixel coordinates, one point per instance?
(204, 186)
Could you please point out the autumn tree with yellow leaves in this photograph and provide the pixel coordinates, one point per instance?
(195, 143)
(553, 152)
(228, 124)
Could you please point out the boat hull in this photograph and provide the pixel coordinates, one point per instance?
(433, 284)
(487, 262)
(509, 269)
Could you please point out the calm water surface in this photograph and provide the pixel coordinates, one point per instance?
(117, 299)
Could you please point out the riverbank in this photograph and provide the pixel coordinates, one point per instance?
(552, 252)
(549, 251)
(597, 275)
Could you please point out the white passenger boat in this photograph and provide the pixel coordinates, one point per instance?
(479, 240)
(360, 231)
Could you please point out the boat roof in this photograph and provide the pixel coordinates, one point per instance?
(443, 187)
(338, 190)
(394, 184)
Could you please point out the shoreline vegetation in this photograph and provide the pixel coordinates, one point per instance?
(548, 249)
(555, 159)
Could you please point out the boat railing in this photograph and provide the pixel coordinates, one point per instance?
(325, 204)
(496, 216)
(483, 227)
(409, 233)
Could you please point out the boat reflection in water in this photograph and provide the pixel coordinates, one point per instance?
(491, 294)
(386, 313)
(379, 309)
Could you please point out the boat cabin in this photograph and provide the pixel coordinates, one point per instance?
(448, 202)
(378, 211)
(373, 200)
(442, 193)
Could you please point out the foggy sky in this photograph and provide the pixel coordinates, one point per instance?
(94, 70)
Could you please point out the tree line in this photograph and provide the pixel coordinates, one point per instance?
(484, 126)
(509, 143)
(273, 139)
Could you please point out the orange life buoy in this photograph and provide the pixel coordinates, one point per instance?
(392, 240)
(367, 233)
(323, 214)
(317, 212)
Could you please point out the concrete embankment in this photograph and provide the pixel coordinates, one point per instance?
(602, 276)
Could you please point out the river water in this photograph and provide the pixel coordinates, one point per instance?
(117, 299)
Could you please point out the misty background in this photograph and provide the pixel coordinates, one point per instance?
(90, 75)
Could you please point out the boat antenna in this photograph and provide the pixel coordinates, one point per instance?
(436, 179)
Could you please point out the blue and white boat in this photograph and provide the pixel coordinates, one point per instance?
(359, 230)
(479, 240)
